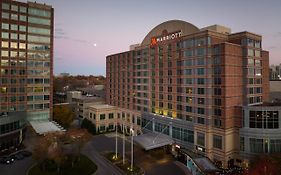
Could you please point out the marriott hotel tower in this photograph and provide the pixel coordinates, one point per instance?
(205, 87)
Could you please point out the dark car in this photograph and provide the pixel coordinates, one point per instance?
(25, 153)
(7, 160)
(18, 156)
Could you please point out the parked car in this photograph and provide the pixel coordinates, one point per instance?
(25, 153)
(7, 160)
(18, 156)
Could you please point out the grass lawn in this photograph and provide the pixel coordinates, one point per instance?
(84, 167)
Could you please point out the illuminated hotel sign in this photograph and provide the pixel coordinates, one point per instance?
(165, 36)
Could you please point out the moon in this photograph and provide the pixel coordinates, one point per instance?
(95, 44)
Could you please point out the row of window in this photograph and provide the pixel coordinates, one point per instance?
(38, 106)
(5, 53)
(12, 81)
(4, 90)
(38, 98)
(13, 62)
(12, 99)
(22, 9)
(264, 119)
(13, 7)
(6, 128)
(13, 36)
(261, 145)
(13, 16)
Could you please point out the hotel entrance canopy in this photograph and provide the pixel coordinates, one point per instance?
(153, 140)
(43, 127)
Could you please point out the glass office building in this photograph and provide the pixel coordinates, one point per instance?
(26, 67)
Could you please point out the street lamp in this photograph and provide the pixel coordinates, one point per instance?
(123, 142)
(132, 147)
(116, 140)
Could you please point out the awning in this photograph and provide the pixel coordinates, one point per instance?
(205, 165)
(153, 140)
(42, 127)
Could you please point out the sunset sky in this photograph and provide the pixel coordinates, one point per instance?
(86, 31)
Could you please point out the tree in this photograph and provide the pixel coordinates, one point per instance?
(78, 137)
(63, 115)
(40, 150)
(265, 165)
(87, 124)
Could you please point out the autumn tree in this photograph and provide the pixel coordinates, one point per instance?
(264, 165)
(78, 137)
(63, 115)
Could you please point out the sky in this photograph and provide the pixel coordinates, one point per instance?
(86, 31)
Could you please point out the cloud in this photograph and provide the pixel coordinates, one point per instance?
(60, 33)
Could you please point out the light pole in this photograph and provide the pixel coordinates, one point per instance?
(116, 140)
(123, 143)
(132, 147)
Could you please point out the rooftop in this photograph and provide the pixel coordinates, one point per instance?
(104, 106)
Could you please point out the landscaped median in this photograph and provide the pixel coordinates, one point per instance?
(84, 166)
(126, 167)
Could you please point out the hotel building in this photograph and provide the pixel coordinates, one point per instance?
(198, 86)
(26, 67)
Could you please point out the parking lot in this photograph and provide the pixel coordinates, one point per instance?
(18, 167)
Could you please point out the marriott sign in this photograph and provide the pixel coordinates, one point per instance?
(165, 36)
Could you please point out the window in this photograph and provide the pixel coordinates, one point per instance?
(5, 44)
(5, 35)
(200, 120)
(14, 27)
(217, 91)
(110, 115)
(257, 53)
(201, 139)
(39, 21)
(200, 110)
(256, 145)
(275, 146)
(200, 81)
(201, 101)
(201, 52)
(22, 9)
(39, 12)
(200, 61)
(217, 101)
(200, 71)
(217, 141)
(5, 15)
(217, 112)
(5, 26)
(188, 109)
(188, 71)
(250, 52)
(14, 8)
(264, 119)
(5, 6)
(102, 116)
(200, 91)
(242, 144)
